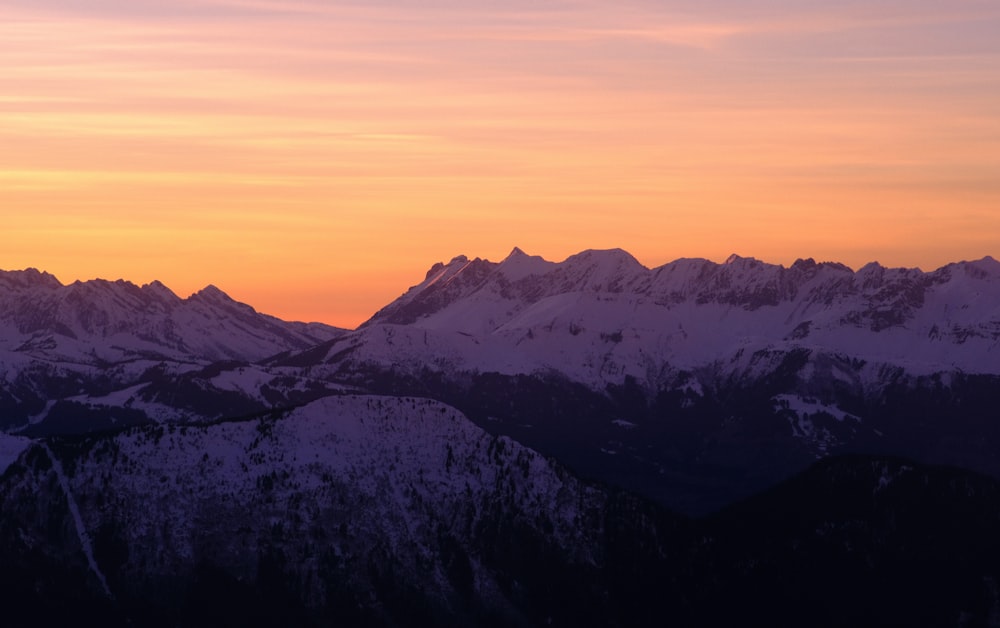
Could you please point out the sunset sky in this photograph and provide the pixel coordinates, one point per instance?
(315, 158)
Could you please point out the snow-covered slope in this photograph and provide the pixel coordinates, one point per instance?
(10, 448)
(336, 493)
(600, 316)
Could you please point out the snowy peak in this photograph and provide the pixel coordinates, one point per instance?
(519, 265)
(212, 294)
(986, 268)
(612, 270)
(441, 275)
(214, 299)
(159, 291)
(27, 278)
(118, 320)
(443, 284)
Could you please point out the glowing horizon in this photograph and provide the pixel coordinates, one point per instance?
(314, 160)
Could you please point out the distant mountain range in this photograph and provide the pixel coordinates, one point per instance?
(695, 383)
(502, 427)
(116, 322)
(600, 316)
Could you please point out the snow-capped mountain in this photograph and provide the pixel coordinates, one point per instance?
(112, 321)
(743, 370)
(600, 316)
(114, 352)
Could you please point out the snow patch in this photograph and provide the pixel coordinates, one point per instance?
(806, 406)
(628, 425)
(10, 448)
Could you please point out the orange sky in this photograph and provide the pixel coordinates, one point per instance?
(314, 159)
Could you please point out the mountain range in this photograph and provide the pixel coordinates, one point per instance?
(504, 437)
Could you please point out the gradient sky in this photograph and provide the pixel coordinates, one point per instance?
(315, 158)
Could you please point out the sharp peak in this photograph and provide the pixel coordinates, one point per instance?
(517, 254)
(212, 292)
(519, 265)
(157, 287)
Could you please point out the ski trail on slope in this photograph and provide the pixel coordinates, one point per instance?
(81, 531)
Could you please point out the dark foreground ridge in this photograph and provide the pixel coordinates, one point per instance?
(853, 540)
